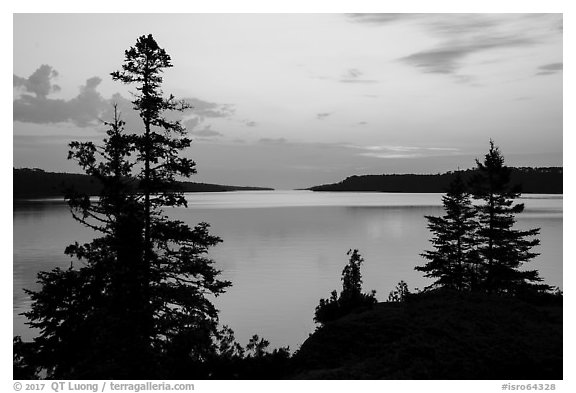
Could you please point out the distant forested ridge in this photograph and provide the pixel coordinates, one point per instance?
(546, 180)
(36, 183)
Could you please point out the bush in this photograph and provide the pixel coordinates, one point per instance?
(400, 293)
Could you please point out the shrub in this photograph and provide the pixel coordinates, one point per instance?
(400, 293)
(351, 298)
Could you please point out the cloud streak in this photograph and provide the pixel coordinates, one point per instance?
(352, 75)
(446, 59)
(205, 109)
(206, 132)
(273, 141)
(391, 151)
(549, 69)
(381, 19)
(446, 25)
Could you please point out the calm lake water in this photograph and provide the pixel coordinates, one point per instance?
(284, 250)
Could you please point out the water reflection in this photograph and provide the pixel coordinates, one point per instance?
(283, 251)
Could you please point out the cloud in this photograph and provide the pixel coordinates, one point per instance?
(82, 110)
(53, 139)
(462, 35)
(392, 151)
(200, 112)
(549, 69)
(352, 75)
(454, 24)
(440, 24)
(389, 148)
(39, 83)
(446, 59)
(390, 155)
(322, 116)
(251, 124)
(552, 67)
(359, 81)
(89, 108)
(362, 123)
(206, 132)
(205, 109)
(379, 19)
(190, 124)
(125, 110)
(540, 73)
(274, 141)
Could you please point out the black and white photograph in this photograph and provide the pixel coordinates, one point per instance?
(288, 196)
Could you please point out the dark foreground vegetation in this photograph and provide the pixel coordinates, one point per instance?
(441, 334)
(533, 180)
(135, 302)
(36, 183)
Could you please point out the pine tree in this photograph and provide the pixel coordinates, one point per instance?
(139, 304)
(503, 249)
(454, 261)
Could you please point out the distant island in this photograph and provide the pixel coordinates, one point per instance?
(37, 183)
(545, 180)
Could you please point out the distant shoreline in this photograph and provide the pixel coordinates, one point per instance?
(37, 183)
(546, 180)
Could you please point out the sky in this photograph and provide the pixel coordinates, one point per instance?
(295, 100)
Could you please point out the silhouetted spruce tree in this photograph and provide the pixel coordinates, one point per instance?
(351, 297)
(139, 304)
(502, 248)
(454, 262)
(177, 274)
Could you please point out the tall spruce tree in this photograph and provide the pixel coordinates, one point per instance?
(177, 273)
(502, 248)
(140, 300)
(454, 261)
